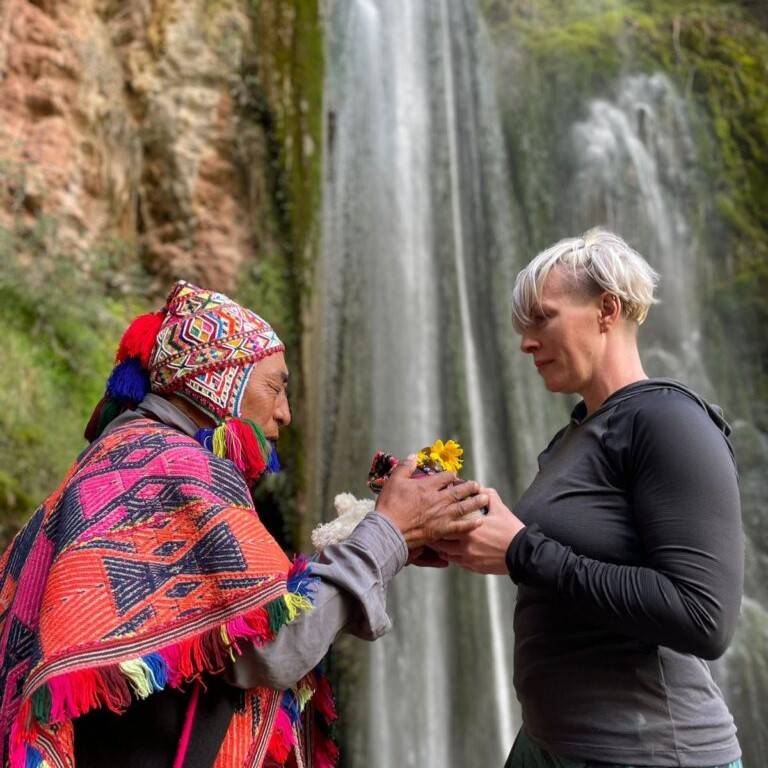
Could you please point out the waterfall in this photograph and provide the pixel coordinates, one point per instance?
(411, 339)
(635, 172)
(413, 342)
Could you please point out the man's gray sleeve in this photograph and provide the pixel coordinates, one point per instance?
(351, 595)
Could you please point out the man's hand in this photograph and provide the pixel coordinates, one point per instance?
(484, 550)
(429, 508)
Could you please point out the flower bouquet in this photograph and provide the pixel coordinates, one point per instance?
(438, 457)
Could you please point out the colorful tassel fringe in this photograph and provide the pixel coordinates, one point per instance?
(243, 443)
(67, 696)
(283, 739)
(315, 688)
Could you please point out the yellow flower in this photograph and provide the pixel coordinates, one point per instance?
(424, 456)
(448, 454)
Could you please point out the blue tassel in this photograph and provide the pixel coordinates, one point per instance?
(291, 706)
(157, 669)
(204, 436)
(34, 758)
(300, 580)
(128, 381)
(273, 461)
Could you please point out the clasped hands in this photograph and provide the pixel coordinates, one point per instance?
(431, 513)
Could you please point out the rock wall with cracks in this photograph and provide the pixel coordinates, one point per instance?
(141, 142)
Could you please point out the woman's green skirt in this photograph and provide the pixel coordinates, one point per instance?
(525, 754)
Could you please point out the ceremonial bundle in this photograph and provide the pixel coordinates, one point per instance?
(438, 457)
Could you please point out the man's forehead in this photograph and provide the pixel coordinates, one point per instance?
(273, 367)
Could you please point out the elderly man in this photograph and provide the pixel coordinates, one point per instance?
(148, 617)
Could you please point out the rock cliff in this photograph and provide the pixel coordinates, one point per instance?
(143, 141)
(136, 119)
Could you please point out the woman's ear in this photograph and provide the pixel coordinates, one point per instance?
(610, 310)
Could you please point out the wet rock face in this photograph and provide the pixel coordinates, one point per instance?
(68, 146)
(116, 118)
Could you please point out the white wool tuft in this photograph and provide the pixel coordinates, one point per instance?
(350, 512)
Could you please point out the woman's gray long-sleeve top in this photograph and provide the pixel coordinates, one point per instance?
(630, 573)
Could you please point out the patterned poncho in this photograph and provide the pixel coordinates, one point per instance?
(147, 568)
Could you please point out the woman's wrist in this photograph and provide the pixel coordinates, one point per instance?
(511, 557)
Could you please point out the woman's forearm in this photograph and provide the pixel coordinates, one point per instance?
(690, 617)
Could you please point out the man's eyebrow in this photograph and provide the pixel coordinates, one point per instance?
(281, 376)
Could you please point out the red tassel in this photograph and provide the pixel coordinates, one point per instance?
(21, 734)
(323, 699)
(326, 752)
(139, 338)
(282, 741)
(253, 463)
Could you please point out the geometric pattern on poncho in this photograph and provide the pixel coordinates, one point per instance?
(149, 549)
(206, 346)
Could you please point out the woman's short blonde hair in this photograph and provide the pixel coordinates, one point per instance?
(598, 261)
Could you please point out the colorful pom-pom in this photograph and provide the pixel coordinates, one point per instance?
(112, 409)
(128, 381)
(273, 463)
(268, 447)
(238, 441)
(139, 338)
(108, 408)
(245, 449)
(204, 436)
(92, 427)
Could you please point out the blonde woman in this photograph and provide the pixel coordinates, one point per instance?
(627, 547)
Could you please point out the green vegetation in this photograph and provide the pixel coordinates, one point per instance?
(717, 53)
(63, 315)
(280, 96)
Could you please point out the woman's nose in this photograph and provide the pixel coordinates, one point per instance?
(528, 344)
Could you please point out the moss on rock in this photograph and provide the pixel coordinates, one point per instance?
(62, 315)
(717, 53)
(280, 95)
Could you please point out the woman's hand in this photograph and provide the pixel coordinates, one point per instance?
(483, 549)
(429, 508)
(426, 557)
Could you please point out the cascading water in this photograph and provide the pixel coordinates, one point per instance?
(416, 272)
(412, 341)
(635, 172)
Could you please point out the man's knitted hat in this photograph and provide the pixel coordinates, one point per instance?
(206, 347)
(201, 345)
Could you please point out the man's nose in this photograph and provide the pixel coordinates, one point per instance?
(283, 412)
